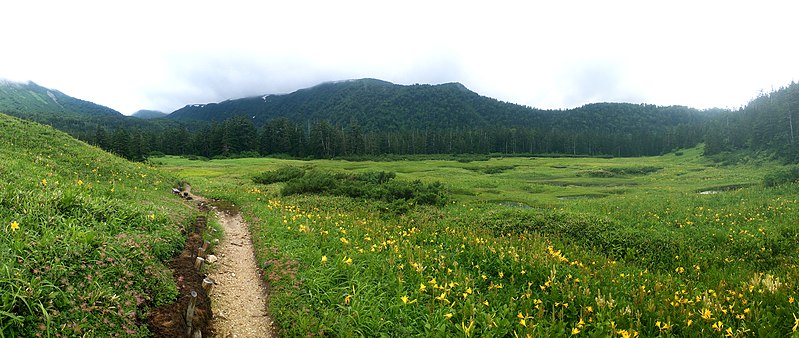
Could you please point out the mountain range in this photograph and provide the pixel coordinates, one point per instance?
(378, 105)
(370, 116)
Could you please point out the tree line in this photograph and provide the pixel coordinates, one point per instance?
(766, 126)
(238, 136)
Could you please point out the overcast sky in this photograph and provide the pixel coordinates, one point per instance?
(165, 54)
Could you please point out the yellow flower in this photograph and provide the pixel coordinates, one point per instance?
(406, 300)
(448, 316)
(443, 297)
(44, 182)
(575, 331)
(14, 226)
(347, 261)
(324, 259)
(151, 216)
(663, 326)
(796, 323)
(523, 322)
(347, 299)
(706, 314)
(790, 300)
(344, 240)
(689, 322)
(422, 287)
(718, 326)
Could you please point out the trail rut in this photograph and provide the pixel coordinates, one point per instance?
(239, 297)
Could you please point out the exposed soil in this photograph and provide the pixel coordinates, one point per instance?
(238, 296)
(170, 320)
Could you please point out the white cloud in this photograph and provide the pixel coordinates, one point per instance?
(165, 54)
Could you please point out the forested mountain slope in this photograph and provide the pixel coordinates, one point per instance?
(149, 114)
(768, 124)
(383, 106)
(370, 117)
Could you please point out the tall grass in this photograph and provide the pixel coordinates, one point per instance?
(83, 237)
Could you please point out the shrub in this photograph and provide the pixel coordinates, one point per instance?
(643, 170)
(379, 186)
(282, 174)
(596, 173)
(312, 182)
(782, 176)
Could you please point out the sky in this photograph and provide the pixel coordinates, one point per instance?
(163, 55)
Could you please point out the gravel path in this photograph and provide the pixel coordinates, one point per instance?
(238, 300)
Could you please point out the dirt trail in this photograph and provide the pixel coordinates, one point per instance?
(238, 299)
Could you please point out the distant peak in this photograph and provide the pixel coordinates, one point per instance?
(457, 85)
(148, 114)
(364, 81)
(6, 82)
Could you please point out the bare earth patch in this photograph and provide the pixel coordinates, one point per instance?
(239, 298)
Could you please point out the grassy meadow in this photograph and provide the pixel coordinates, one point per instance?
(672, 245)
(84, 237)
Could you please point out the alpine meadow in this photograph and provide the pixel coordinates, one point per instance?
(672, 245)
(384, 210)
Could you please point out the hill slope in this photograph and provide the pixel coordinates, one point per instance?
(382, 106)
(148, 114)
(83, 236)
(768, 124)
(30, 98)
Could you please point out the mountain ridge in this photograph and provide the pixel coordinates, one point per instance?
(148, 114)
(30, 98)
(378, 105)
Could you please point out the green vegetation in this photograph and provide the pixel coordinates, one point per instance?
(367, 119)
(282, 174)
(668, 245)
(83, 237)
(765, 127)
(363, 119)
(371, 185)
(789, 174)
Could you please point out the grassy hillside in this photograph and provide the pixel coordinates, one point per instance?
(83, 237)
(659, 246)
(28, 98)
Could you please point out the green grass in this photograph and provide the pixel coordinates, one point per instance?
(641, 252)
(83, 237)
